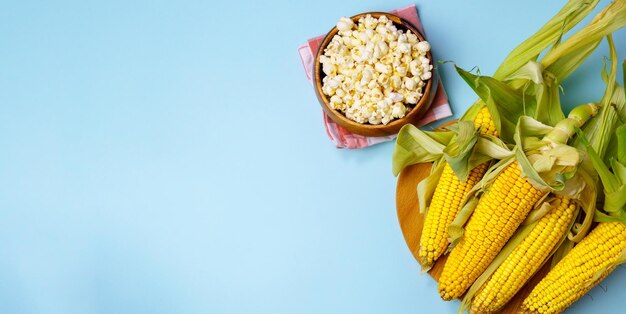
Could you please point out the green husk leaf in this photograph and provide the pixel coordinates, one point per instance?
(489, 147)
(602, 217)
(612, 18)
(550, 33)
(472, 111)
(531, 71)
(426, 188)
(615, 201)
(610, 79)
(530, 127)
(609, 181)
(458, 151)
(455, 229)
(621, 144)
(566, 65)
(551, 165)
(587, 201)
(541, 209)
(619, 170)
(549, 109)
(505, 104)
(562, 60)
(536, 82)
(601, 128)
(416, 146)
(575, 184)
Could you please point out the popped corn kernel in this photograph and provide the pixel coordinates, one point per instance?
(374, 71)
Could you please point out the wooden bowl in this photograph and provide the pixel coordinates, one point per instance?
(413, 116)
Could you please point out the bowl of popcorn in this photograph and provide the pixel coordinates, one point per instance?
(373, 74)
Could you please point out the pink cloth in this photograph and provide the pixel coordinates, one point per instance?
(343, 138)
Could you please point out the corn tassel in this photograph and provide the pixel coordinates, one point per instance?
(526, 258)
(580, 270)
(446, 201)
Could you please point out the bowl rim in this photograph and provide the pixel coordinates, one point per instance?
(416, 112)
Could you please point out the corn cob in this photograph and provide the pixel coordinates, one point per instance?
(525, 259)
(484, 123)
(574, 275)
(446, 201)
(501, 209)
(496, 217)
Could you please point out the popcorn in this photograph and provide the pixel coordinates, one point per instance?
(394, 97)
(404, 47)
(382, 68)
(374, 71)
(345, 24)
(410, 84)
(336, 102)
(396, 82)
(423, 46)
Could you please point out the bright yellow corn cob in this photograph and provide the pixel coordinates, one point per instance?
(525, 259)
(446, 201)
(573, 276)
(484, 123)
(501, 209)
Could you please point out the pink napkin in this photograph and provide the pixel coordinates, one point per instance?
(343, 138)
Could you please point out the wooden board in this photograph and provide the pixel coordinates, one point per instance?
(411, 222)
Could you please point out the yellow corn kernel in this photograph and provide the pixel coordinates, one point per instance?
(484, 123)
(525, 259)
(573, 276)
(446, 201)
(445, 205)
(501, 209)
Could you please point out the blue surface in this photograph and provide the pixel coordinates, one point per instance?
(169, 157)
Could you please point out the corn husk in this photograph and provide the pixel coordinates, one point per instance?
(531, 153)
(549, 34)
(426, 188)
(539, 165)
(613, 182)
(416, 146)
(535, 92)
(612, 18)
(552, 168)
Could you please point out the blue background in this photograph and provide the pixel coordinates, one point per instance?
(169, 157)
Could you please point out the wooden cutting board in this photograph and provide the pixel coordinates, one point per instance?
(411, 222)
